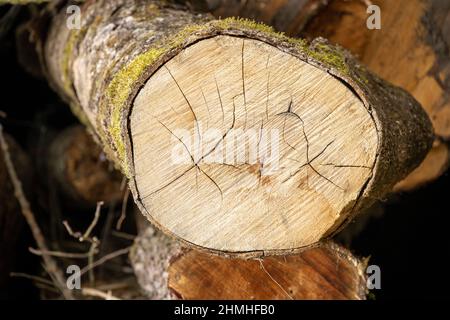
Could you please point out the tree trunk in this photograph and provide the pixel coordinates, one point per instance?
(81, 171)
(165, 271)
(410, 50)
(169, 92)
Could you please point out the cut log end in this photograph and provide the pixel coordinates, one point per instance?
(235, 138)
(239, 146)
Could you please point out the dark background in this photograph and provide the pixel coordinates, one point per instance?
(409, 241)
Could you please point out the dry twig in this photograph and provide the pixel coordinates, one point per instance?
(102, 260)
(124, 209)
(51, 265)
(86, 236)
(99, 294)
(60, 254)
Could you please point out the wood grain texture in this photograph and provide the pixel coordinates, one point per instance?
(410, 50)
(284, 192)
(326, 272)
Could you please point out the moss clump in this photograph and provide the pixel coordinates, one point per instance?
(118, 92)
(240, 23)
(330, 56)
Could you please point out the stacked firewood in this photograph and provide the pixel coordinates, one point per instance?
(167, 183)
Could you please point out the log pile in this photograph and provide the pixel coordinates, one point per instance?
(248, 133)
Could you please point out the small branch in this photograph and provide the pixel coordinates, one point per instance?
(70, 231)
(59, 254)
(93, 223)
(99, 294)
(124, 210)
(49, 262)
(86, 237)
(31, 277)
(123, 235)
(91, 254)
(102, 260)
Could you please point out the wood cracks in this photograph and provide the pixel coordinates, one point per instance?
(235, 139)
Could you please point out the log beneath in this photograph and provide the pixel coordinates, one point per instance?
(81, 170)
(410, 50)
(236, 139)
(165, 271)
(327, 272)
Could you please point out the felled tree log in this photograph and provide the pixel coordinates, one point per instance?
(11, 220)
(410, 50)
(80, 169)
(164, 270)
(318, 136)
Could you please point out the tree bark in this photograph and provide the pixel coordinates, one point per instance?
(138, 71)
(410, 50)
(150, 258)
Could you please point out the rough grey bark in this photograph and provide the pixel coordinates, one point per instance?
(150, 257)
(100, 68)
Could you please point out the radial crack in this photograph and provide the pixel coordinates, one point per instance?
(243, 81)
(220, 100)
(309, 161)
(187, 101)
